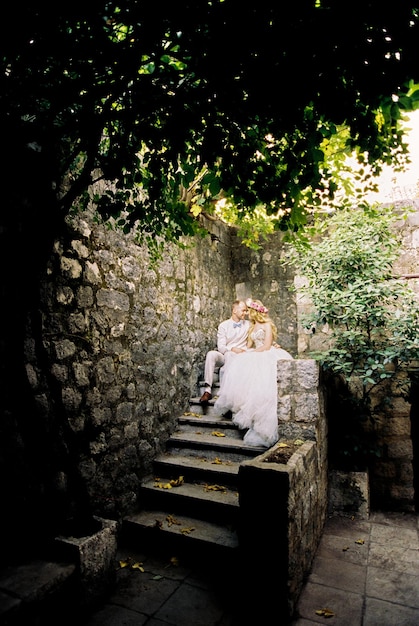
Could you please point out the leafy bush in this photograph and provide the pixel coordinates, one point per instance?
(372, 318)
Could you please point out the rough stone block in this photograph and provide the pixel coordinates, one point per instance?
(349, 493)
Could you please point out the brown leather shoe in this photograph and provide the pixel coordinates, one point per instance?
(205, 398)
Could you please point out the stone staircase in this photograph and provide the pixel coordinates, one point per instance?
(190, 504)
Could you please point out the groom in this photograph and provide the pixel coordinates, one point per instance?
(231, 339)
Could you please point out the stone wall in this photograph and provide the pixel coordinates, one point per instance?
(392, 473)
(283, 506)
(116, 347)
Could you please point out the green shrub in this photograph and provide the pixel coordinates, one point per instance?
(372, 318)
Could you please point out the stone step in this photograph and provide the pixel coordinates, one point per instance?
(208, 426)
(201, 410)
(195, 481)
(160, 530)
(215, 385)
(37, 592)
(204, 409)
(205, 501)
(224, 447)
(195, 419)
(206, 468)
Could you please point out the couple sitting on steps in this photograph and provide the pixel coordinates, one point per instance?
(247, 352)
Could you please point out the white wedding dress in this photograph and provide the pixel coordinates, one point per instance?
(249, 390)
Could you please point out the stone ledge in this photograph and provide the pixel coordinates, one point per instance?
(282, 514)
(30, 589)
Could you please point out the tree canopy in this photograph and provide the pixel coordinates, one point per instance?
(176, 104)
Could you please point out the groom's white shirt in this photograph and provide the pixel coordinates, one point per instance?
(230, 336)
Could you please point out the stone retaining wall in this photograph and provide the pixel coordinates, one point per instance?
(283, 506)
(391, 474)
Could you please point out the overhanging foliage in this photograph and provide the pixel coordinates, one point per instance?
(176, 104)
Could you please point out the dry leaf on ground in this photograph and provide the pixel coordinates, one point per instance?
(325, 612)
(138, 566)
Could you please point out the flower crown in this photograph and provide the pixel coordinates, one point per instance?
(257, 307)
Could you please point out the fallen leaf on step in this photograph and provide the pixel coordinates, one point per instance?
(218, 461)
(157, 577)
(186, 531)
(345, 548)
(190, 414)
(325, 613)
(172, 520)
(175, 482)
(216, 433)
(215, 488)
(123, 564)
(160, 485)
(360, 542)
(283, 445)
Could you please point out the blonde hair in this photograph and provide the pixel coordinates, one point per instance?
(262, 318)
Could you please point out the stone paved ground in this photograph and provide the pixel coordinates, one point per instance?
(365, 573)
(163, 591)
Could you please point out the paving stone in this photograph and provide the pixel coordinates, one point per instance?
(8, 603)
(346, 606)
(394, 535)
(343, 548)
(31, 580)
(143, 592)
(330, 572)
(380, 613)
(303, 622)
(112, 615)
(394, 518)
(166, 565)
(395, 558)
(347, 526)
(191, 606)
(389, 585)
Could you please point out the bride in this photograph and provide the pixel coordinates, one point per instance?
(249, 386)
